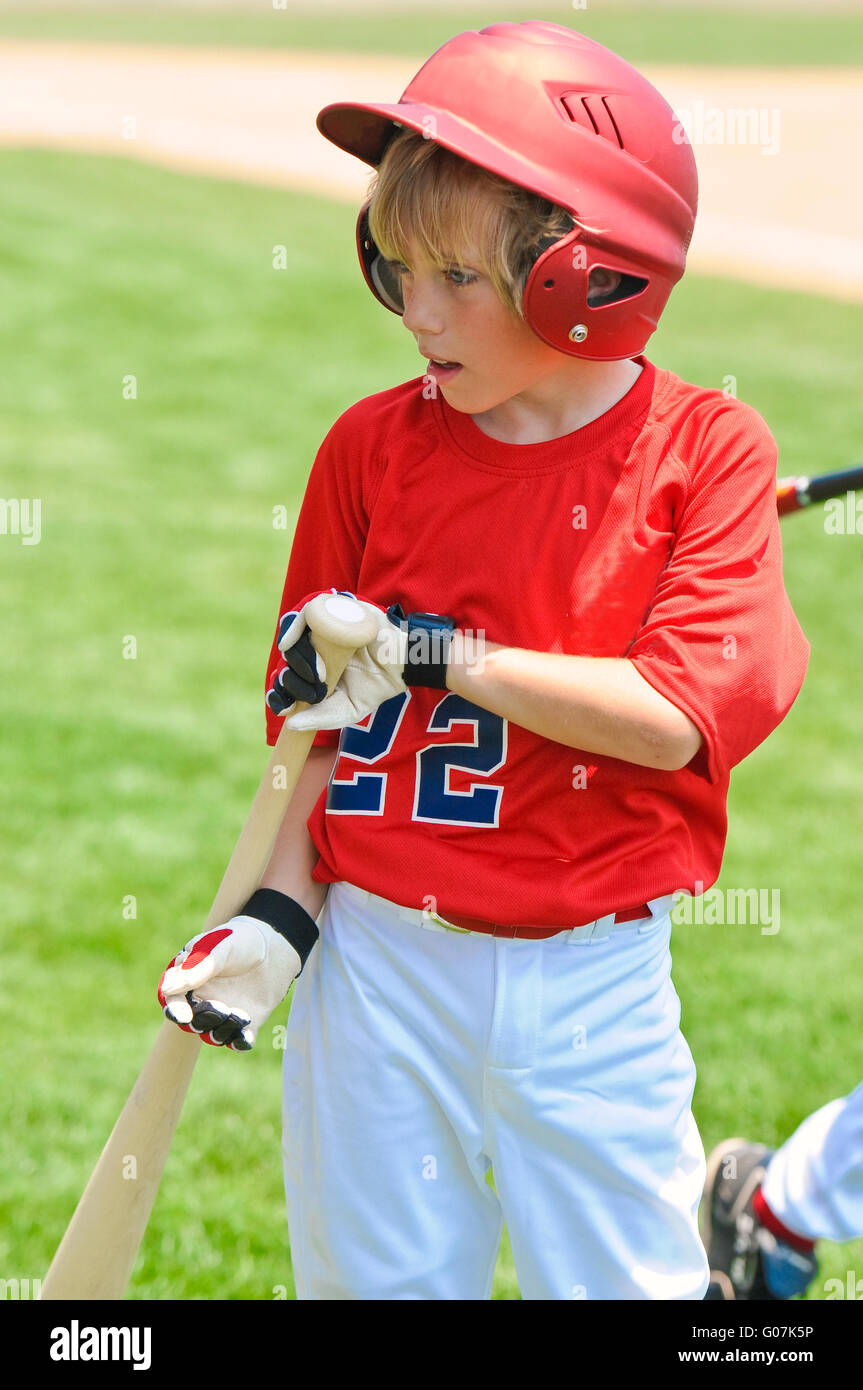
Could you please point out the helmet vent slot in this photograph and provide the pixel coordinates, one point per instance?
(613, 121)
(592, 113)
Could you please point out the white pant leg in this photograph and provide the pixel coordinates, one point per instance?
(597, 1159)
(814, 1182)
(412, 1056)
(384, 1169)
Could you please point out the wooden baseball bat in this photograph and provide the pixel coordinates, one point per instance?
(95, 1257)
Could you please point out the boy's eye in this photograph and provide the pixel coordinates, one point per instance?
(453, 273)
(460, 277)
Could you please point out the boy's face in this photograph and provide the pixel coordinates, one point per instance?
(456, 316)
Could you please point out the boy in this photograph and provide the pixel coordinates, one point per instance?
(536, 757)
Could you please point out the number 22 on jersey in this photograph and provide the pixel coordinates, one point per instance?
(434, 797)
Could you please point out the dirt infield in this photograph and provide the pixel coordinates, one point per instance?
(777, 150)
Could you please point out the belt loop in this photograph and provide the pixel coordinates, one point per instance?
(592, 931)
(602, 927)
(659, 908)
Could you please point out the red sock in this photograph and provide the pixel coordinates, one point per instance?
(766, 1217)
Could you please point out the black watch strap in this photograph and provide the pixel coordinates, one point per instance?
(428, 646)
(284, 916)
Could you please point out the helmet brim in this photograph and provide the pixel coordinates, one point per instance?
(365, 129)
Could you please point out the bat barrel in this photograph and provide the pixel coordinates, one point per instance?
(834, 484)
(95, 1257)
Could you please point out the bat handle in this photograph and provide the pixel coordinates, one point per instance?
(340, 625)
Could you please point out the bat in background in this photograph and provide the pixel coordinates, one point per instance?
(794, 494)
(95, 1257)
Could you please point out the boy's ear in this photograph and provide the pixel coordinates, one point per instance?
(608, 286)
(602, 285)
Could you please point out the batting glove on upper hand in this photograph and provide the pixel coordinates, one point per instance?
(226, 982)
(404, 651)
(304, 676)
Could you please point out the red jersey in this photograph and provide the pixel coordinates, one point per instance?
(652, 534)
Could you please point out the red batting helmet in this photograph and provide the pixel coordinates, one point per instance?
(558, 114)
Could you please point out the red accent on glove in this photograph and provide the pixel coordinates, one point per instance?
(203, 947)
(171, 963)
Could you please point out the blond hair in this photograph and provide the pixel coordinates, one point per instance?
(425, 195)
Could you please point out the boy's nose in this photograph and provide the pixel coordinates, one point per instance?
(421, 312)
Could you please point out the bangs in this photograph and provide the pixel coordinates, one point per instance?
(426, 196)
(455, 213)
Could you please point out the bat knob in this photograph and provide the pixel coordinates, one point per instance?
(341, 620)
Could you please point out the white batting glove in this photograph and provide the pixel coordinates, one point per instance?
(226, 982)
(404, 651)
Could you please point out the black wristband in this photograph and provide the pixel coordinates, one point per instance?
(428, 645)
(286, 917)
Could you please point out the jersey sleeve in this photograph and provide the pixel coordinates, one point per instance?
(721, 640)
(329, 539)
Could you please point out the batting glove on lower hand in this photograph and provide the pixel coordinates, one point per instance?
(406, 650)
(226, 982)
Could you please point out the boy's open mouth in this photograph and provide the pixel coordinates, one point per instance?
(443, 369)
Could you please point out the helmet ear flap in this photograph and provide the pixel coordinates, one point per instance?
(560, 309)
(381, 279)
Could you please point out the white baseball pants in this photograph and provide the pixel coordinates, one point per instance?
(814, 1182)
(416, 1059)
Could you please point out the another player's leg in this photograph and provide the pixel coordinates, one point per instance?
(747, 1259)
(763, 1212)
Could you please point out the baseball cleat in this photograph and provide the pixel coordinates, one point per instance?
(747, 1261)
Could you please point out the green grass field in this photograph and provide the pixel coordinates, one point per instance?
(129, 778)
(642, 33)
